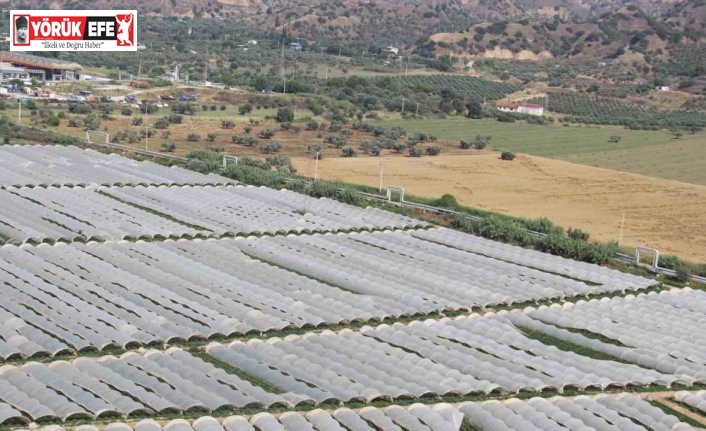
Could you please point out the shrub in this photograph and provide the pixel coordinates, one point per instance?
(53, 121)
(162, 123)
(227, 124)
(433, 150)
(577, 234)
(137, 121)
(284, 114)
(466, 145)
(375, 151)
(247, 129)
(267, 133)
(349, 152)
(615, 138)
(507, 155)
(398, 147)
(415, 152)
(447, 201)
(126, 110)
(274, 147)
(166, 134)
(211, 137)
(245, 109)
(481, 141)
(169, 147)
(312, 125)
(223, 107)
(683, 272)
(193, 137)
(175, 118)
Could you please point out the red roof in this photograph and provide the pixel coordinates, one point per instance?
(507, 105)
(532, 105)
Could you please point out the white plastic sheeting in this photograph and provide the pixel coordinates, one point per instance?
(54, 165)
(258, 210)
(67, 214)
(435, 418)
(607, 279)
(603, 413)
(157, 383)
(662, 331)
(476, 354)
(420, 273)
(695, 400)
(94, 296)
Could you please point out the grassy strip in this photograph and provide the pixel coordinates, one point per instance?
(682, 417)
(256, 381)
(568, 346)
(592, 335)
(466, 425)
(155, 212)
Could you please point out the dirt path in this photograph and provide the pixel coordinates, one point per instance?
(666, 399)
(667, 215)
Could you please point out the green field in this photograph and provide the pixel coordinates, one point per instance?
(649, 153)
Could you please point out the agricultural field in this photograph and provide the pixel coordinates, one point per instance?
(652, 153)
(587, 109)
(658, 213)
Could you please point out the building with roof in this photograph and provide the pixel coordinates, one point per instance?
(521, 108)
(9, 72)
(48, 69)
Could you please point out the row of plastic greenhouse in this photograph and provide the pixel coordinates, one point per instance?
(421, 272)
(603, 413)
(57, 165)
(111, 213)
(124, 294)
(662, 331)
(260, 210)
(461, 356)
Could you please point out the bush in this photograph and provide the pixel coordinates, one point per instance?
(267, 133)
(169, 147)
(578, 234)
(433, 150)
(193, 137)
(349, 152)
(211, 137)
(375, 151)
(507, 155)
(284, 115)
(482, 141)
(615, 138)
(53, 121)
(126, 110)
(245, 109)
(274, 147)
(137, 121)
(247, 129)
(683, 272)
(227, 124)
(466, 145)
(447, 201)
(415, 152)
(162, 123)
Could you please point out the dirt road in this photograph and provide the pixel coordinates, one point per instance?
(668, 215)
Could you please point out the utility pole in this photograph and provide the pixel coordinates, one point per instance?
(147, 126)
(406, 67)
(19, 110)
(402, 111)
(382, 166)
(417, 114)
(622, 224)
(316, 167)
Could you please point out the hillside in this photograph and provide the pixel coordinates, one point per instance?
(628, 34)
(386, 21)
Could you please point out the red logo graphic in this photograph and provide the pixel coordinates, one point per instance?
(125, 32)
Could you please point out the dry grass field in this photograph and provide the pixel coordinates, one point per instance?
(665, 214)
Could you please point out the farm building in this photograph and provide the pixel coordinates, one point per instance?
(48, 69)
(8, 72)
(521, 108)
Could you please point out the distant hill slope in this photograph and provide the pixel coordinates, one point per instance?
(388, 21)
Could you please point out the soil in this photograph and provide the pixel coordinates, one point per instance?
(667, 215)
